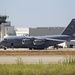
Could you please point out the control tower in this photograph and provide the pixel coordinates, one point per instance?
(5, 28)
(2, 20)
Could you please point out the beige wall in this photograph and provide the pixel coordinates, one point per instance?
(22, 31)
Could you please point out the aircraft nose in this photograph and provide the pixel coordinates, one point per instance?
(1, 42)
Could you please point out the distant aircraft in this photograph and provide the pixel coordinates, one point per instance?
(33, 42)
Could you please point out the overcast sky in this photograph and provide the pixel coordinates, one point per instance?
(38, 13)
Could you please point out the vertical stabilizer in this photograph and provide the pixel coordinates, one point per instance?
(70, 29)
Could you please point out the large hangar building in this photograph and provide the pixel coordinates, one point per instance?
(39, 31)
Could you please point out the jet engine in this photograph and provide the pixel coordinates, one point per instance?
(38, 41)
(27, 41)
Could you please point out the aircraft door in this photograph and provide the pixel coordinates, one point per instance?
(12, 45)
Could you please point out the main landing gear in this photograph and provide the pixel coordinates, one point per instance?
(55, 47)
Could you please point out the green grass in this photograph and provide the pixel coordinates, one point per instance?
(65, 68)
(37, 69)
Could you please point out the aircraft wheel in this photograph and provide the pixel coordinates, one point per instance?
(4, 48)
(30, 48)
(56, 46)
(71, 46)
(38, 48)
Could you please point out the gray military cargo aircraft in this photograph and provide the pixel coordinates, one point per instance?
(41, 42)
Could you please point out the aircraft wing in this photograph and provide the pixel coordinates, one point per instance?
(49, 40)
(54, 40)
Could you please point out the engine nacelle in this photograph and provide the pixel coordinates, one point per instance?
(27, 41)
(38, 42)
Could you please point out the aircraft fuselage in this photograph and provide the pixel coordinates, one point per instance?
(41, 43)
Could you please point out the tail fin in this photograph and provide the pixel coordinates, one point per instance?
(70, 30)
